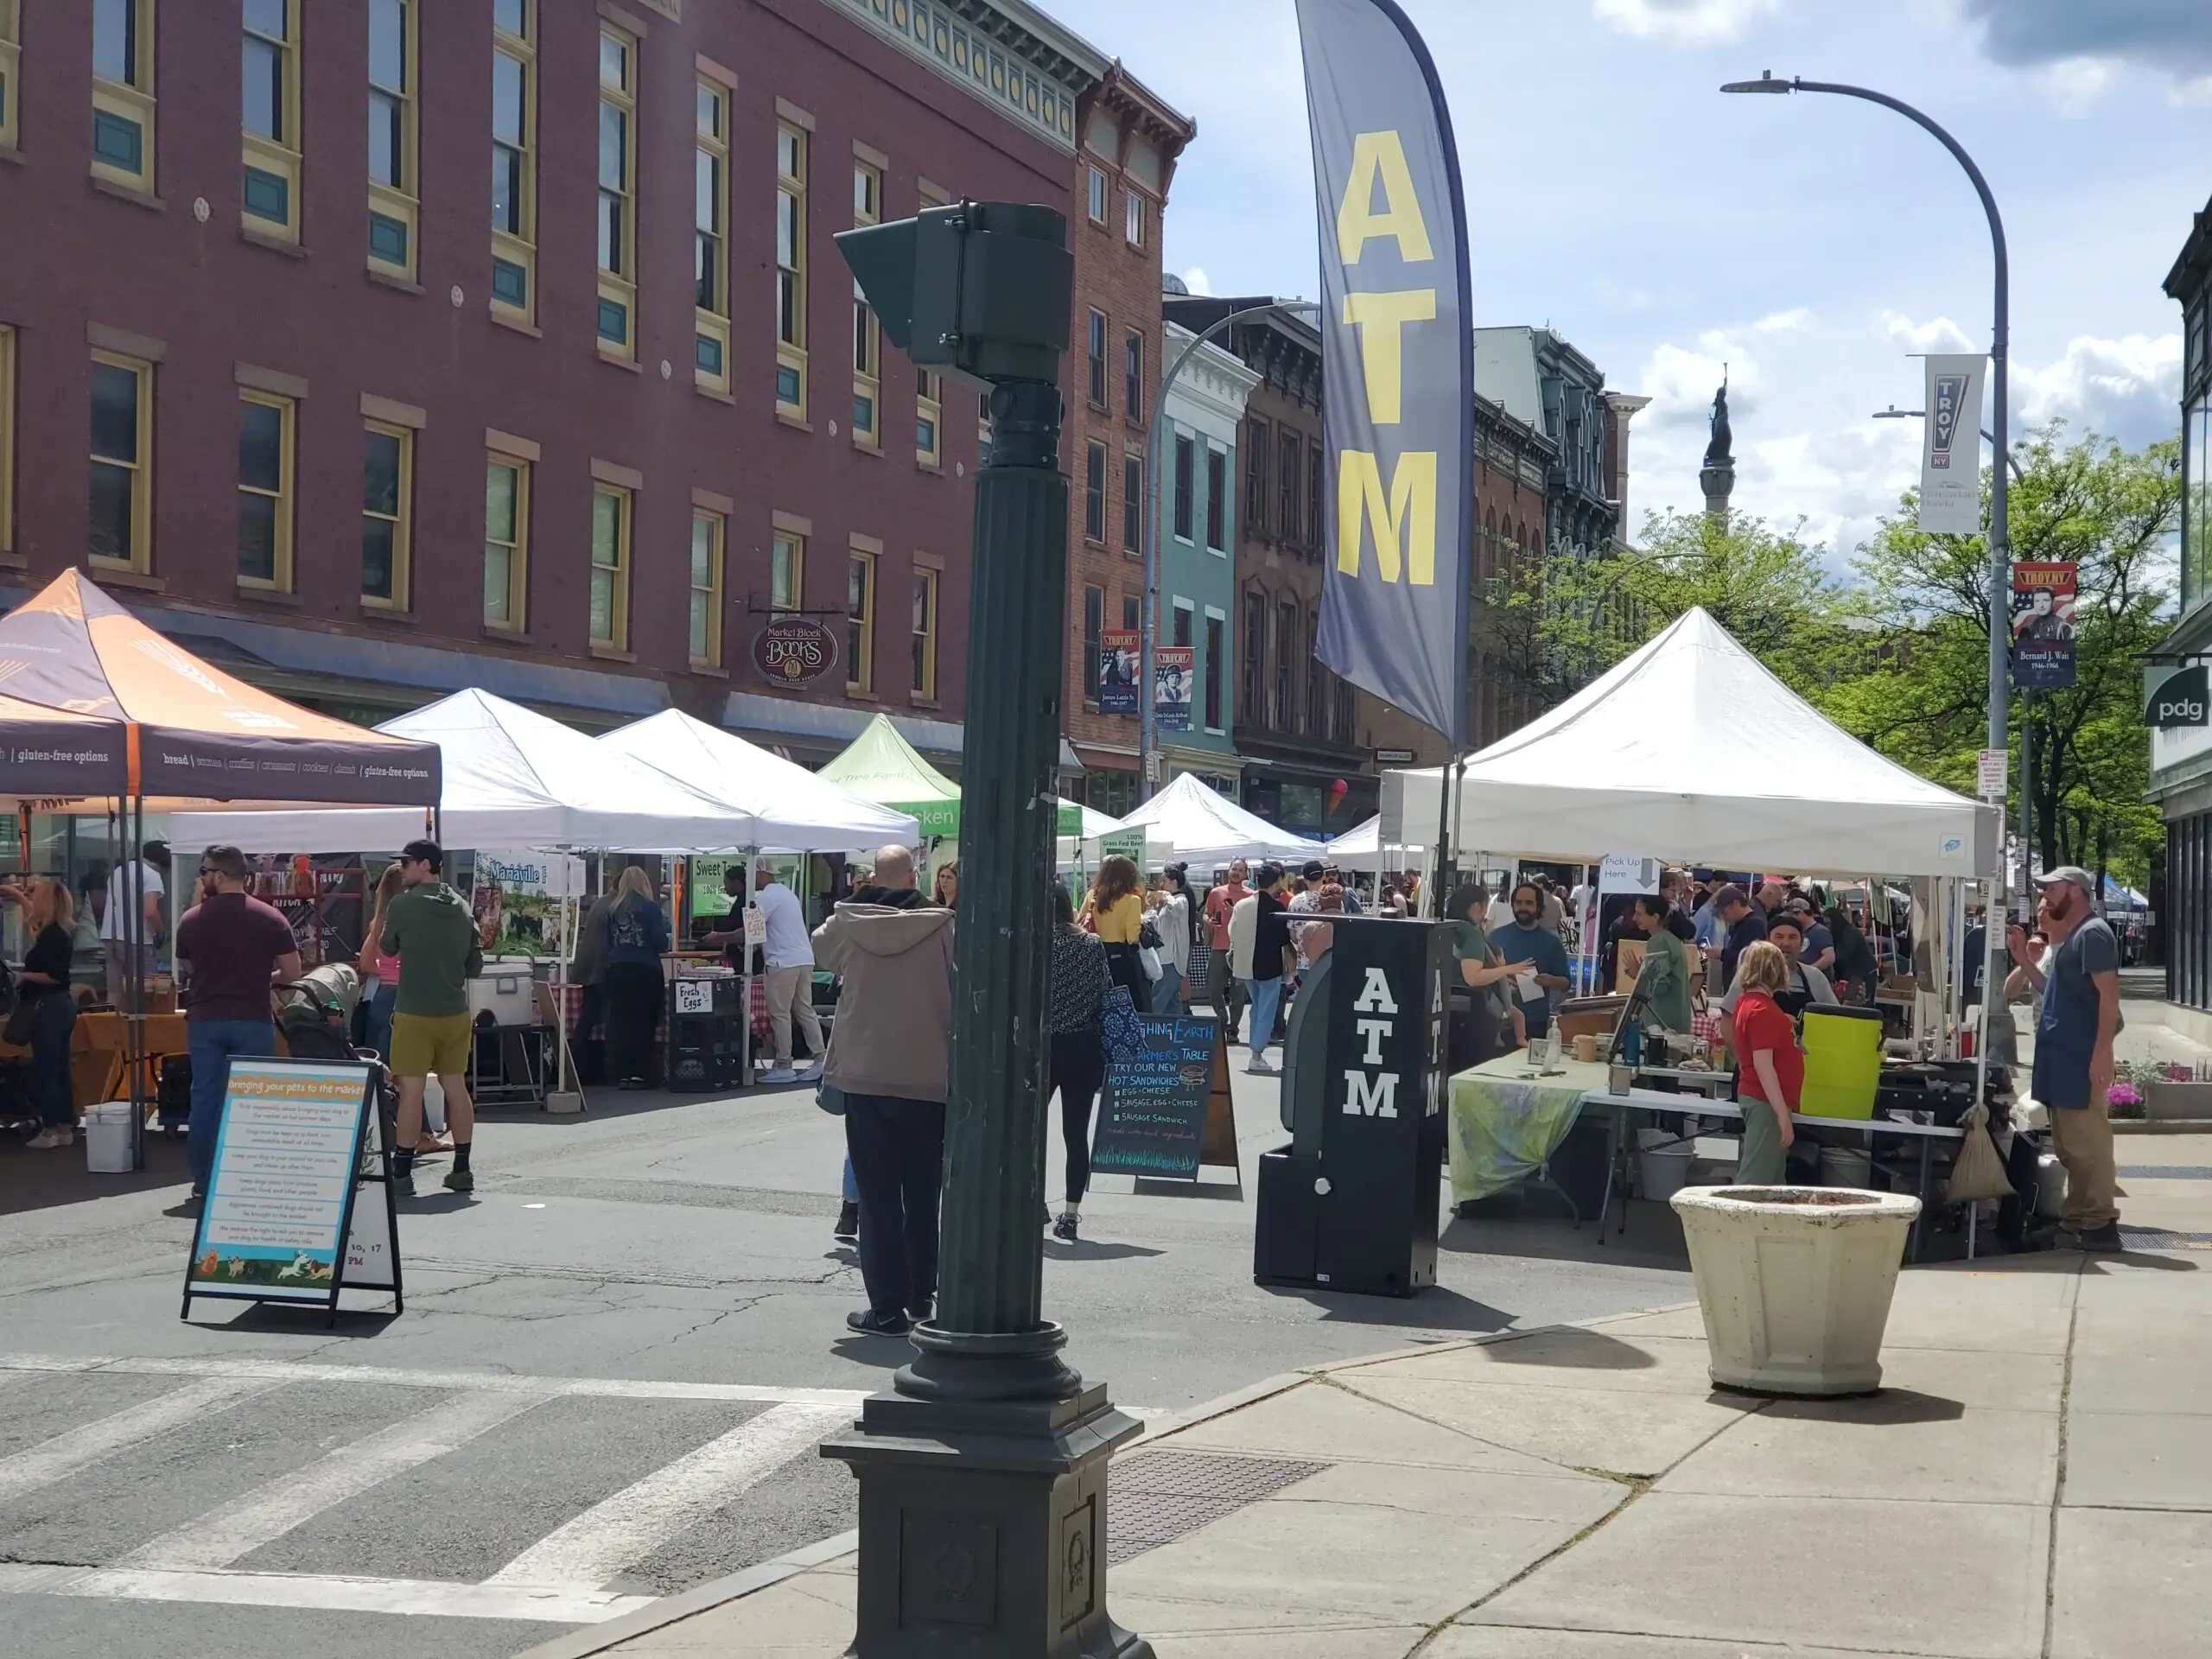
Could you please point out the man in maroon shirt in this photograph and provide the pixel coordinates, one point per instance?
(233, 950)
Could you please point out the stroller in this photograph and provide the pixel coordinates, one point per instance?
(316, 1015)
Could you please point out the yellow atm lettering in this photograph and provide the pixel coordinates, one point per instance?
(1380, 317)
(1403, 519)
(1379, 156)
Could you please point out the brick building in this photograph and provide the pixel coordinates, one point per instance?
(290, 384)
(1130, 142)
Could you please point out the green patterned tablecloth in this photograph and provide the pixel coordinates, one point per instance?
(1505, 1121)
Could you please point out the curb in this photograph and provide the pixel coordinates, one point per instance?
(669, 1610)
(2162, 1126)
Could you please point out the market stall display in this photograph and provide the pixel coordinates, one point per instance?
(1206, 827)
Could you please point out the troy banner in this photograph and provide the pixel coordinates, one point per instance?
(2042, 625)
(1398, 367)
(1950, 452)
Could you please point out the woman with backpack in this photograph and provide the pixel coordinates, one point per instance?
(637, 935)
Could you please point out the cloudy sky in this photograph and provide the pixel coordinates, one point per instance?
(1810, 243)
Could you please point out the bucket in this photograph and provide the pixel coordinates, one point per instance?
(107, 1138)
(1664, 1171)
(1843, 1166)
(2050, 1187)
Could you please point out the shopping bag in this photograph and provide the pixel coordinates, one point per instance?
(1977, 1172)
(1121, 1028)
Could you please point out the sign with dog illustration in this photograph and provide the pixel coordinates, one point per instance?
(280, 1222)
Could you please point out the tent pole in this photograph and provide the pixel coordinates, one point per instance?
(561, 976)
(134, 1021)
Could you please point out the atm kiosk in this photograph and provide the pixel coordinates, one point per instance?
(1352, 1203)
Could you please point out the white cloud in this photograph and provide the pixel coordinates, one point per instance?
(1937, 334)
(2128, 389)
(1686, 22)
(1782, 322)
(2074, 84)
(1197, 280)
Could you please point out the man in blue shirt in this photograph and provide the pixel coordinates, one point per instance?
(2074, 1064)
(1526, 940)
(1746, 925)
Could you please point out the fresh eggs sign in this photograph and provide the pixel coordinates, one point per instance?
(794, 651)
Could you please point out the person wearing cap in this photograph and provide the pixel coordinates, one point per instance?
(2074, 1064)
(1819, 943)
(1746, 923)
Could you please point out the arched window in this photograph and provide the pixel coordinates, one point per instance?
(1489, 546)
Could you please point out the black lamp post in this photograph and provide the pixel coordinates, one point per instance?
(982, 1470)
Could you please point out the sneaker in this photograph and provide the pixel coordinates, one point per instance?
(848, 1223)
(461, 1180)
(403, 1186)
(779, 1074)
(924, 1311)
(46, 1140)
(811, 1073)
(2104, 1241)
(1065, 1228)
(1258, 1065)
(869, 1323)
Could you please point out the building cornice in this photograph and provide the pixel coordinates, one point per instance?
(1006, 54)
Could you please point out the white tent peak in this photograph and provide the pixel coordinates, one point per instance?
(1201, 823)
(1692, 748)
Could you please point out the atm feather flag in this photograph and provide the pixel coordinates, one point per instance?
(1398, 360)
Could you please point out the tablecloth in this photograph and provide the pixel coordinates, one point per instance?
(574, 1003)
(1505, 1121)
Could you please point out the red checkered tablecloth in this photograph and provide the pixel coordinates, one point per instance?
(574, 1005)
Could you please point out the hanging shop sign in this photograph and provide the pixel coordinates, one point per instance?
(794, 651)
(2179, 699)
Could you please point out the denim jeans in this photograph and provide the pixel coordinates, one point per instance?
(1167, 995)
(213, 1044)
(897, 1147)
(378, 1031)
(1266, 998)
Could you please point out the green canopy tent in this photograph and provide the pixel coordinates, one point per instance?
(882, 766)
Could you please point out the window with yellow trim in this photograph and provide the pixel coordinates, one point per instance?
(860, 622)
(506, 543)
(708, 533)
(867, 327)
(387, 513)
(7, 436)
(11, 71)
(123, 92)
(787, 571)
(122, 463)
(711, 217)
(923, 635)
(618, 193)
(611, 508)
(514, 159)
(790, 269)
(395, 192)
(268, 75)
(267, 425)
(929, 417)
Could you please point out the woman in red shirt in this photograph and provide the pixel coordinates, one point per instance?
(1770, 1068)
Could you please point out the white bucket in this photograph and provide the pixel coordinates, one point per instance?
(1665, 1170)
(107, 1138)
(2051, 1188)
(1841, 1166)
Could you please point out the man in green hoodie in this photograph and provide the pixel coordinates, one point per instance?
(430, 929)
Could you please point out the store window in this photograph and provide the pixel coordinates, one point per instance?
(123, 92)
(1186, 460)
(506, 543)
(618, 195)
(123, 462)
(514, 159)
(269, 76)
(705, 616)
(613, 510)
(710, 238)
(387, 492)
(860, 622)
(922, 632)
(266, 443)
(393, 192)
(791, 270)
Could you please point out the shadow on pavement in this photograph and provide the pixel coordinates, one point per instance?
(1436, 1308)
(45, 1180)
(1884, 1410)
(1571, 1350)
(1090, 1249)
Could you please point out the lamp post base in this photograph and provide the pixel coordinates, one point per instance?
(982, 1505)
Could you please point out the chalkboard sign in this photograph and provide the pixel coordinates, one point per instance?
(1166, 1110)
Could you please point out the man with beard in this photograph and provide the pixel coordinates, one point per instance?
(1528, 943)
(2074, 1063)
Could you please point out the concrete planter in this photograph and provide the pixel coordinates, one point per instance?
(1794, 1282)
(2167, 1101)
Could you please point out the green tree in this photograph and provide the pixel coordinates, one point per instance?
(1921, 700)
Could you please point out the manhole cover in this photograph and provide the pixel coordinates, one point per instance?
(1157, 1496)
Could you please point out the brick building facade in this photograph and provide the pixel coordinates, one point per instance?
(1124, 164)
(319, 408)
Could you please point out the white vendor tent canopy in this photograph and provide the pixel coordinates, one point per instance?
(1363, 847)
(1691, 749)
(774, 804)
(1205, 827)
(514, 779)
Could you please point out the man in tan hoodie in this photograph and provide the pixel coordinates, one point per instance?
(890, 1049)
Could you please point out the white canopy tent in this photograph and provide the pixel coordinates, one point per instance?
(512, 779)
(773, 805)
(1691, 749)
(1205, 826)
(1363, 847)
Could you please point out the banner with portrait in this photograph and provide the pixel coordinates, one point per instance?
(2042, 625)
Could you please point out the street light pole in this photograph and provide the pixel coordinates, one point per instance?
(1147, 620)
(1893, 413)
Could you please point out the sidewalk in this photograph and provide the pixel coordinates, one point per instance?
(2035, 1479)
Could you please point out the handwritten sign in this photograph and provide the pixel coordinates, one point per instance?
(1154, 1120)
(286, 1160)
(694, 997)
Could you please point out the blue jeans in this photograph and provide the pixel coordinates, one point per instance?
(851, 1189)
(1266, 998)
(213, 1044)
(1167, 995)
(379, 1029)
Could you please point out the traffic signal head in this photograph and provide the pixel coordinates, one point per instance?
(981, 289)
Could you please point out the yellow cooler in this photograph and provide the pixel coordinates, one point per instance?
(1843, 1061)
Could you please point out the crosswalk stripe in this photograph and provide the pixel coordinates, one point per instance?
(620, 1531)
(82, 1446)
(427, 1598)
(233, 1531)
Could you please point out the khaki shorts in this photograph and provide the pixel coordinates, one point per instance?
(423, 1044)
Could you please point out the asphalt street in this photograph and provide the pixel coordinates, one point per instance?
(614, 1363)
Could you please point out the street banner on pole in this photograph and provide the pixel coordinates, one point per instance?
(1950, 451)
(2042, 625)
(1397, 358)
(1172, 669)
(1118, 657)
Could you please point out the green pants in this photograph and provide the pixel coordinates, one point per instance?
(1764, 1162)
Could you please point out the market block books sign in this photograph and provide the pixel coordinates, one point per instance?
(1398, 360)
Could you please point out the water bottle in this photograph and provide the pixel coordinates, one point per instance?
(1632, 1044)
(1555, 1043)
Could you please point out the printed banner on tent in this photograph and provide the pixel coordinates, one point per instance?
(1397, 356)
(2042, 625)
(1173, 667)
(1120, 664)
(1950, 454)
(526, 903)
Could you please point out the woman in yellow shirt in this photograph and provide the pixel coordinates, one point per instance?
(1114, 912)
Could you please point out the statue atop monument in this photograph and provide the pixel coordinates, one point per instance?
(1718, 476)
(1720, 452)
